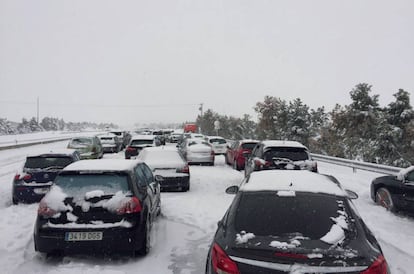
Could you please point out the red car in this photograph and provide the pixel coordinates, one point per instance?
(234, 155)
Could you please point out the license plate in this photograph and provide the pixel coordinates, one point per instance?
(83, 236)
(40, 190)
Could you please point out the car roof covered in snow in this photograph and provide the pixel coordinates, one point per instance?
(292, 180)
(54, 152)
(143, 137)
(281, 143)
(102, 165)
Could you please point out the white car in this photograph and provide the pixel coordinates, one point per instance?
(197, 151)
(219, 144)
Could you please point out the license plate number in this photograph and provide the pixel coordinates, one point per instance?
(83, 236)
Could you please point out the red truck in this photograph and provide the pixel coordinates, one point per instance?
(190, 128)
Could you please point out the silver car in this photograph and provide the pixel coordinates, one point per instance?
(197, 151)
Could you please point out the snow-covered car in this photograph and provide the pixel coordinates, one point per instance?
(99, 206)
(33, 181)
(89, 147)
(138, 142)
(276, 154)
(168, 163)
(219, 144)
(293, 221)
(197, 151)
(395, 192)
(110, 143)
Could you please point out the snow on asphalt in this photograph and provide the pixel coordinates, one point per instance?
(182, 234)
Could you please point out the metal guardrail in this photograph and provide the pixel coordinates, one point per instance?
(34, 142)
(357, 164)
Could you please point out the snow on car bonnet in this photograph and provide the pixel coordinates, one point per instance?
(102, 164)
(291, 180)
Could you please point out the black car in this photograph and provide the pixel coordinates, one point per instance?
(138, 142)
(99, 206)
(293, 221)
(38, 172)
(395, 192)
(168, 163)
(276, 154)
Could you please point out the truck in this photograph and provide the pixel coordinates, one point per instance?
(190, 128)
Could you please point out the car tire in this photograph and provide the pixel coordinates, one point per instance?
(186, 188)
(146, 242)
(235, 165)
(383, 198)
(15, 201)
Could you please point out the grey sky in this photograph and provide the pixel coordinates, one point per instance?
(156, 61)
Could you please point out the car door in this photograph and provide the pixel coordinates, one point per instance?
(408, 187)
(144, 183)
(154, 186)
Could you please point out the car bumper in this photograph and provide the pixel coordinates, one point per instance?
(116, 239)
(175, 182)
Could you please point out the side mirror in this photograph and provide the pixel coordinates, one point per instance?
(232, 189)
(159, 178)
(351, 194)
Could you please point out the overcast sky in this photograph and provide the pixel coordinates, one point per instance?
(155, 61)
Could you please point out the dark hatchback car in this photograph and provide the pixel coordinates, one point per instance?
(99, 206)
(276, 154)
(168, 163)
(38, 173)
(138, 142)
(395, 193)
(293, 221)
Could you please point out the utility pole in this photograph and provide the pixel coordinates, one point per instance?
(201, 109)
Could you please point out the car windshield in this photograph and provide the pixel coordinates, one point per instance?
(77, 185)
(292, 153)
(45, 162)
(141, 142)
(266, 213)
(248, 145)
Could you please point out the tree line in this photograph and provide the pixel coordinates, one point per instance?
(48, 124)
(361, 130)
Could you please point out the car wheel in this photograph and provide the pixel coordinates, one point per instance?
(15, 201)
(383, 198)
(146, 242)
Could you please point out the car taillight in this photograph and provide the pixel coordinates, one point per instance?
(132, 205)
(221, 262)
(185, 169)
(25, 177)
(379, 266)
(44, 210)
(130, 149)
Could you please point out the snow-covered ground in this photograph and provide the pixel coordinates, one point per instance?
(183, 232)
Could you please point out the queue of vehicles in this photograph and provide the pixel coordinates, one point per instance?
(97, 204)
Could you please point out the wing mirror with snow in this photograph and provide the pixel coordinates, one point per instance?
(232, 189)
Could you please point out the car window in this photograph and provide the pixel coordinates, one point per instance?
(141, 142)
(217, 141)
(147, 173)
(410, 176)
(44, 162)
(81, 141)
(292, 153)
(77, 185)
(142, 180)
(248, 145)
(308, 215)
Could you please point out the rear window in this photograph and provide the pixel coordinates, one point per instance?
(141, 142)
(217, 140)
(292, 153)
(248, 145)
(266, 214)
(46, 162)
(77, 185)
(81, 141)
(106, 139)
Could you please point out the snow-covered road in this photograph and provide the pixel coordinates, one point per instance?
(183, 232)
